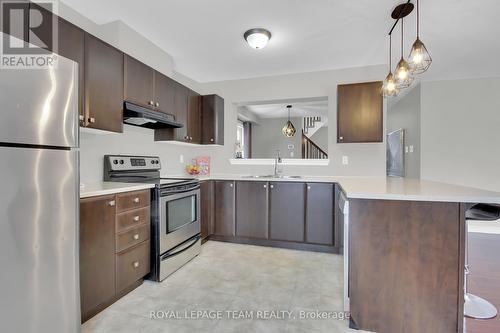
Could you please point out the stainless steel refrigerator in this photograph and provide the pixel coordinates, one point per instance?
(39, 274)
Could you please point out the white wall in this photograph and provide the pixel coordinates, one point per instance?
(461, 132)
(364, 159)
(405, 113)
(267, 137)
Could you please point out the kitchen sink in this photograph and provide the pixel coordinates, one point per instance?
(272, 176)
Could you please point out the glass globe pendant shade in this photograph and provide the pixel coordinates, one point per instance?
(419, 60)
(389, 88)
(289, 130)
(404, 75)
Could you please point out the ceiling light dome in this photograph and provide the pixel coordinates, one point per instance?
(257, 38)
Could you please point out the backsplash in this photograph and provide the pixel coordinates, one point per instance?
(133, 141)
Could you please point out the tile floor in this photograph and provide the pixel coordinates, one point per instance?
(234, 277)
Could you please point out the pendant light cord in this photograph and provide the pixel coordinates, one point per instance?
(390, 52)
(402, 31)
(418, 19)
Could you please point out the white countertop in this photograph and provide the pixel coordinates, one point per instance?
(105, 188)
(388, 188)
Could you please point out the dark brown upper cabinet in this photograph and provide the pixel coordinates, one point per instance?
(146, 87)
(194, 118)
(320, 213)
(103, 85)
(360, 112)
(286, 211)
(138, 82)
(252, 209)
(212, 120)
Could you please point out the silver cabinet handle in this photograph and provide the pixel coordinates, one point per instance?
(91, 120)
(157, 104)
(341, 137)
(111, 203)
(271, 186)
(308, 187)
(186, 137)
(136, 200)
(136, 218)
(136, 236)
(265, 186)
(231, 185)
(151, 103)
(136, 264)
(81, 117)
(190, 138)
(212, 140)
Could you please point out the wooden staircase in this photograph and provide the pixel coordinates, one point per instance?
(310, 124)
(311, 150)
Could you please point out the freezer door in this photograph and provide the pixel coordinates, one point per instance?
(40, 106)
(39, 274)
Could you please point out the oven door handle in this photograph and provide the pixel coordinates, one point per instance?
(181, 248)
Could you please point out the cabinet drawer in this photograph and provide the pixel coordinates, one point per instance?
(131, 200)
(132, 265)
(132, 237)
(132, 218)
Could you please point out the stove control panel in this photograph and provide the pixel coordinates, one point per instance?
(124, 163)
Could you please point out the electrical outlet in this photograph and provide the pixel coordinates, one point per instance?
(292, 154)
(411, 148)
(345, 160)
(181, 158)
(406, 149)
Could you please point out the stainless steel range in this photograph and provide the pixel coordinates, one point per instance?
(175, 211)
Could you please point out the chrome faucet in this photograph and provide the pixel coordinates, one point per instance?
(277, 160)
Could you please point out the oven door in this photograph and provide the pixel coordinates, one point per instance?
(179, 218)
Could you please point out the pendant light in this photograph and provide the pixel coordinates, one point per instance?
(404, 76)
(389, 88)
(289, 130)
(420, 59)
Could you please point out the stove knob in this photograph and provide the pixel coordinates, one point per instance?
(152, 162)
(121, 162)
(115, 161)
(157, 162)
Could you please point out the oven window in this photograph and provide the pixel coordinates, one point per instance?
(180, 212)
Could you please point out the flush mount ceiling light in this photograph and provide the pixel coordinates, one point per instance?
(289, 130)
(257, 38)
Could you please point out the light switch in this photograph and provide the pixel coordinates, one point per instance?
(181, 158)
(411, 148)
(406, 149)
(345, 160)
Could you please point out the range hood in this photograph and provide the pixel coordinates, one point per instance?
(143, 117)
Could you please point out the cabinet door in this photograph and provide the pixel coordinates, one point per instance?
(360, 112)
(320, 213)
(181, 111)
(164, 95)
(251, 209)
(71, 46)
(212, 120)
(193, 127)
(103, 85)
(207, 208)
(138, 85)
(286, 211)
(224, 208)
(97, 253)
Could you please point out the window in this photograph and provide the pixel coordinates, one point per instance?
(243, 138)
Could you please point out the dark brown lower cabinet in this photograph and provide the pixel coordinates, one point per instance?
(224, 214)
(207, 208)
(286, 211)
(408, 257)
(320, 213)
(97, 253)
(252, 209)
(114, 248)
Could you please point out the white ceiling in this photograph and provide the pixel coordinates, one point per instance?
(205, 37)
(313, 108)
